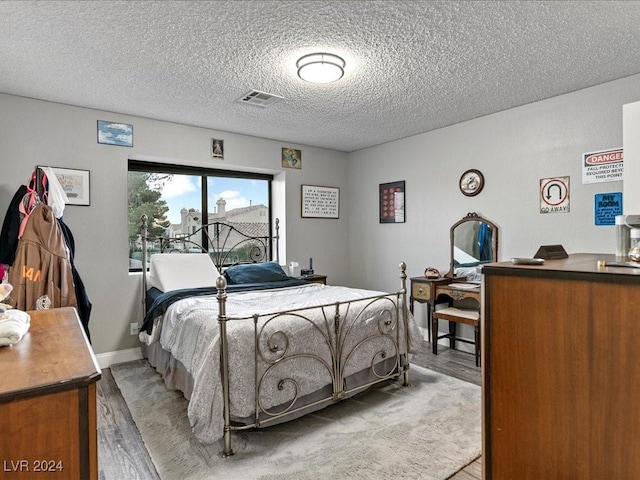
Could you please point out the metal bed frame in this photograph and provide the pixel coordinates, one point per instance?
(338, 329)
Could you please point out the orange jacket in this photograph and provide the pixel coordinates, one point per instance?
(41, 272)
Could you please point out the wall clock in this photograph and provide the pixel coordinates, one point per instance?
(471, 182)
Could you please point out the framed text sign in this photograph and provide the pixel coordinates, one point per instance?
(320, 202)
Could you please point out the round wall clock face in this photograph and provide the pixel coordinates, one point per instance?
(471, 182)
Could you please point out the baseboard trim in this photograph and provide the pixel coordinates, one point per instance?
(425, 334)
(105, 360)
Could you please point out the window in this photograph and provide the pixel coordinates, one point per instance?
(178, 200)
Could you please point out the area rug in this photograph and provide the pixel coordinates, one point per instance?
(428, 430)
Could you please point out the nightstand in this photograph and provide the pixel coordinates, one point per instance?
(315, 278)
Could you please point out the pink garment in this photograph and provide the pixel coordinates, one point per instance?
(31, 199)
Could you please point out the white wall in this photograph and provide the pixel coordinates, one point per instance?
(34, 132)
(514, 149)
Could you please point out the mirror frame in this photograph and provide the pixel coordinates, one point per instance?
(472, 217)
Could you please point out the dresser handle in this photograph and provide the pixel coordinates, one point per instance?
(420, 291)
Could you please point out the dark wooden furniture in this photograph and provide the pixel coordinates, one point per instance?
(48, 400)
(560, 370)
(315, 278)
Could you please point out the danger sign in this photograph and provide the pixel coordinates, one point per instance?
(603, 166)
(554, 195)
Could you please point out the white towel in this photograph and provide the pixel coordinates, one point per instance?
(13, 326)
(57, 197)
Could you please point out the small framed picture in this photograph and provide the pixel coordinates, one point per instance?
(75, 184)
(291, 158)
(112, 133)
(217, 148)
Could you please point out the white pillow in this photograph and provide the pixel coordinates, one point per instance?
(173, 271)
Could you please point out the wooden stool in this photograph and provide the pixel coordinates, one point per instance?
(454, 316)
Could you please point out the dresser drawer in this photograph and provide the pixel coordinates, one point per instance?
(421, 291)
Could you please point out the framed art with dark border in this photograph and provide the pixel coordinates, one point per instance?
(75, 184)
(392, 205)
(471, 182)
(320, 202)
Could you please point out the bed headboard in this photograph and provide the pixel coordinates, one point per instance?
(226, 243)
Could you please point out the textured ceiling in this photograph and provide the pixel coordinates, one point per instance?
(412, 66)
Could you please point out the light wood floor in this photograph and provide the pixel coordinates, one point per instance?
(123, 456)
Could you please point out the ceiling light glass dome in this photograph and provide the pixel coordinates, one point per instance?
(320, 67)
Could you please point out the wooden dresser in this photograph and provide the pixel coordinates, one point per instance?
(48, 401)
(561, 370)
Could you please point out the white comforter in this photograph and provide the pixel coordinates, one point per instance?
(190, 331)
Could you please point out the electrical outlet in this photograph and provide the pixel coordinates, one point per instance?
(133, 329)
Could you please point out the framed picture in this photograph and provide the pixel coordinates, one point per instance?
(291, 158)
(75, 183)
(392, 207)
(111, 133)
(320, 202)
(217, 148)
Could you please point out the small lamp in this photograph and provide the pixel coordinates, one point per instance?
(320, 67)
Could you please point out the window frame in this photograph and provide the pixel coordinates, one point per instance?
(203, 172)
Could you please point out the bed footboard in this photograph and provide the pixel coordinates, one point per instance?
(355, 344)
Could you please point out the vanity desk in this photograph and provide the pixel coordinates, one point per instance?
(432, 290)
(459, 291)
(473, 243)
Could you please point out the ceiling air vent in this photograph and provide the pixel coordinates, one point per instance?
(259, 99)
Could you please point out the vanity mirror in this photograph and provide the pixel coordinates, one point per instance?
(474, 241)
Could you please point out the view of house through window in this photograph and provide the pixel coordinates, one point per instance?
(179, 200)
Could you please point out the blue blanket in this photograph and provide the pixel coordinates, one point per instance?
(158, 302)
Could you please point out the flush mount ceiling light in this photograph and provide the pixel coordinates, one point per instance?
(320, 67)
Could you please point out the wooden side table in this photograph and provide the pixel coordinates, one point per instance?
(315, 278)
(48, 400)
